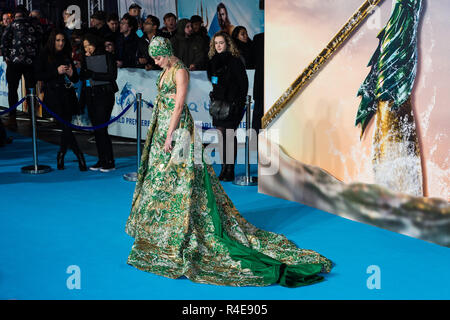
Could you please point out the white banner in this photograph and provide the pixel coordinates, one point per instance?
(132, 81)
(157, 8)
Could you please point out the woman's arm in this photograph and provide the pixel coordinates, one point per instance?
(74, 77)
(182, 82)
(84, 72)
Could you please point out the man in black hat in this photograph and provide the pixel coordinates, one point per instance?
(98, 25)
(135, 10)
(198, 30)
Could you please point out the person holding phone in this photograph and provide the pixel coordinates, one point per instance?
(56, 69)
(98, 93)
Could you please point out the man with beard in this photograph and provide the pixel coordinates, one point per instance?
(151, 30)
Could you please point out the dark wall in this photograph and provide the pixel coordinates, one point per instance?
(52, 9)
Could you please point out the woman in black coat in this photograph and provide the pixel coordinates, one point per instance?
(227, 74)
(98, 94)
(245, 46)
(56, 69)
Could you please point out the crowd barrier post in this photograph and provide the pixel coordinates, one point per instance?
(132, 176)
(247, 180)
(35, 168)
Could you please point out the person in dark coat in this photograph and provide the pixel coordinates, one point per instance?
(20, 45)
(244, 45)
(188, 48)
(113, 23)
(198, 29)
(258, 83)
(99, 98)
(229, 79)
(127, 43)
(57, 70)
(98, 25)
(170, 25)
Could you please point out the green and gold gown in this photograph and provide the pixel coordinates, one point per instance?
(184, 224)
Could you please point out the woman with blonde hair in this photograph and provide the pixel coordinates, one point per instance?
(227, 74)
(182, 221)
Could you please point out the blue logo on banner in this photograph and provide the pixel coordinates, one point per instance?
(194, 107)
(128, 95)
(2, 72)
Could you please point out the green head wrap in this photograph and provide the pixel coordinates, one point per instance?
(160, 46)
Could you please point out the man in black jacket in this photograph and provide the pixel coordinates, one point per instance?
(170, 25)
(188, 47)
(127, 43)
(113, 24)
(98, 25)
(20, 46)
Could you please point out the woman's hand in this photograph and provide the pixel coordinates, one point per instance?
(69, 70)
(62, 69)
(168, 144)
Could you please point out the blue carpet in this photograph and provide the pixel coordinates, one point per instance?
(52, 221)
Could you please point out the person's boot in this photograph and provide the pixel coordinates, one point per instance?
(97, 166)
(229, 173)
(108, 166)
(60, 160)
(12, 122)
(81, 161)
(222, 172)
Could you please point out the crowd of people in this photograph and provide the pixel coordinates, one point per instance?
(37, 50)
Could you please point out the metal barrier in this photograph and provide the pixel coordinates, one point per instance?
(247, 180)
(132, 176)
(35, 168)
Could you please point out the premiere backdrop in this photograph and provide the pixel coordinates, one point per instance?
(245, 13)
(324, 161)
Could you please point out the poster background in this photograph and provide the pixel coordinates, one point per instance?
(318, 127)
(241, 12)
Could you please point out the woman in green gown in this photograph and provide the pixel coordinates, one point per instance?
(183, 222)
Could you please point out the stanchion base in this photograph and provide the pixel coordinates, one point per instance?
(130, 176)
(40, 169)
(246, 181)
